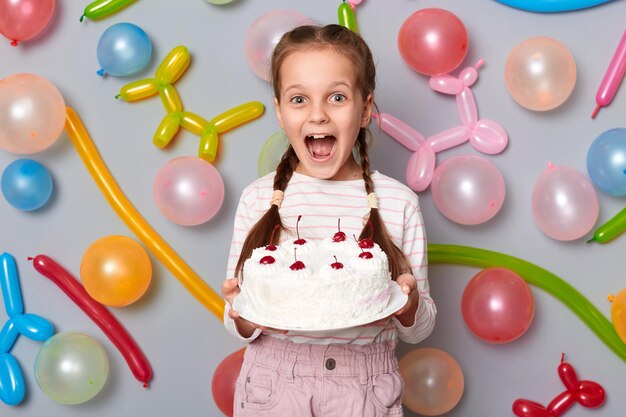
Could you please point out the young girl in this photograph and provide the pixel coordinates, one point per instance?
(323, 79)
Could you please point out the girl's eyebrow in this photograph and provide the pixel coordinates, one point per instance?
(333, 85)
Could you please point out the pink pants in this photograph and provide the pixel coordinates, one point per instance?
(284, 379)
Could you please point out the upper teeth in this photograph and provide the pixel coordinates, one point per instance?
(317, 136)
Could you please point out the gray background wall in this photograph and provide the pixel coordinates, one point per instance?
(182, 340)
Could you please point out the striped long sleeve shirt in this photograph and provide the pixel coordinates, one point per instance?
(321, 203)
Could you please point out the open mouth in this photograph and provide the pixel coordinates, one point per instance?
(321, 147)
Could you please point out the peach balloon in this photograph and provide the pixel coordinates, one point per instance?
(540, 73)
(116, 271)
(32, 113)
(433, 381)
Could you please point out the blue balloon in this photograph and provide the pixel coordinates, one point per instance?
(34, 327)
(123, 49)
(606, 162)
(26, 184)
(551, 6)
(12, 387)
(8, 336)
(10, 284)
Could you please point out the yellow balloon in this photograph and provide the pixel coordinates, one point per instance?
(433, 381)
(618, 313)
(170, 99)
(540, 73)
(167, 129)
(138, 90)
(237, 116)
(173, 65)
(116, 271)
(135, 221)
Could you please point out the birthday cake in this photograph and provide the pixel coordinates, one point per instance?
(307, 284)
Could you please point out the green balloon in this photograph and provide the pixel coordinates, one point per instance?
(271, 152)
(71, 368)
(539, 277)
(220, 1)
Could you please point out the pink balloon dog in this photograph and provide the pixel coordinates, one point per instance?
(485, 135)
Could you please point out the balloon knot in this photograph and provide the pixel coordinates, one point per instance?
(100, 72)
(593, 239)
(82, 17)
(611, 297)
(595, 112)
(117, 96)
(145, 385)
(562, 356)
(479, 64)
(29, 258)
(14, 43)
(550, 165)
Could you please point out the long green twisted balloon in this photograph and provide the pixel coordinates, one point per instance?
(539, 277)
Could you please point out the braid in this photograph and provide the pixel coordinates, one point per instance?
(261, 232)
(398, 263)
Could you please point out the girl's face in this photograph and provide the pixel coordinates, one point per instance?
(321, 110)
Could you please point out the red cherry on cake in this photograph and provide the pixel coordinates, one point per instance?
(298, 241)
(366, 243)
(336, 264)
(339, 236)
(272, 247)
(366, 255)
(297, 265)
(266, 260)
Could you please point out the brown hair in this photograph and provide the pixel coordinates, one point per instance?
(353, 47)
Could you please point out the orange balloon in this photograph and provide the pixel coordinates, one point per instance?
(540, 73)
(433, 381)
(618, 313)
(116, 271)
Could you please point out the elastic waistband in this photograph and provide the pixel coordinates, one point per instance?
(301, 359)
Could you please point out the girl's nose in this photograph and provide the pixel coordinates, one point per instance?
(318, 114)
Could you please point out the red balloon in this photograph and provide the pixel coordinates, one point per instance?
(99, 314)
(497, 305)
(433, 41)
(590, 394)
(527, 408)
(561, 403)
(21, 20)
(224, 380)
(568, 376)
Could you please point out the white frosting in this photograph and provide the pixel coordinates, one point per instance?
(318, 296)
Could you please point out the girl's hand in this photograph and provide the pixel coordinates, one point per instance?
(230, 290)
(408, 284)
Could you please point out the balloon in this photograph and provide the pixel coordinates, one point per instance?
(26, 184)
(588, 393)
(468, 189)
(8, 336)
(71, 368)
(271, 152)
(433, 41)
(540, 73)
(33, 326)
(606, 162)
(497, 305)
(484, 135)
(611, 229)
(133, 219)
(264, 34)
(565, 204)
(123, 49)
(346, 17)
(32, 112)
(188, 190)
(173, 65)
(12, 387)
(21, 20)
(10, 284)
(433, 381)
(224, 381)
(116, 271)
(612, 77)
(549, 6)
(220, 1)
(99, 314)
(618, 313)
(539, 277)
(103, 8)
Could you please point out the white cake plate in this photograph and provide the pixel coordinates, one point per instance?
(396, 302)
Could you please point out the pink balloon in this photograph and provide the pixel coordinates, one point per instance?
(32, 113)
(497, 305)
(433, 41)
(433, 381)
(468, 189)
(264, 34)
(188, 190)
(21, 20)
(565, 204)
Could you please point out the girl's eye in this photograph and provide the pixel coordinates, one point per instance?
(338, 98)
(297, 100)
